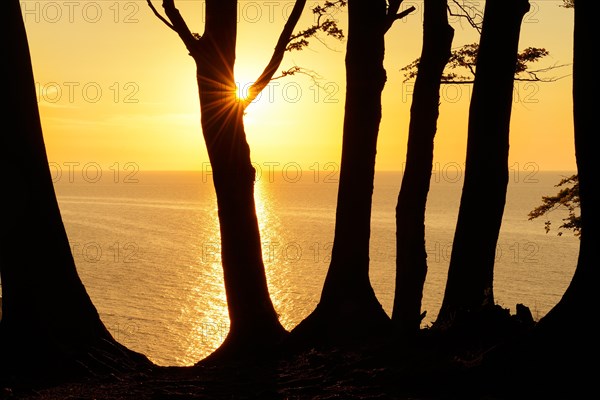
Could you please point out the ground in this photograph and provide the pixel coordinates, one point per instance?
(433, 367)
(312, 375)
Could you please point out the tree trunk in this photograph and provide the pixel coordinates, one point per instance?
(348, 308)
(49, 328)
(411, 255)
(556, 353)
(471, 272)
(579, 301)
(562, 340)
(254, 322)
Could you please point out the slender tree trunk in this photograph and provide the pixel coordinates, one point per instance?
(471, 272)
(348, 307)
(49, 327)
(254, 322)
(411, 255)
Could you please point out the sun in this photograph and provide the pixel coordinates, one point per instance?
(242, 91)
(245, 76)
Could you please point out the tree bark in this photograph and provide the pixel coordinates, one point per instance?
(470, 277)
(254, 322)
(579, 300)
(348, 308)
(254, 326)
(49, 328)
(556, 352)
(411, 254)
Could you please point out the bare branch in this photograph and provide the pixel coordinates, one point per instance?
(534, 73)
(392, 14)
(465, 14)
(456, 82)
(393, 17)
(158, 15)
(313, 75)
(177, 23)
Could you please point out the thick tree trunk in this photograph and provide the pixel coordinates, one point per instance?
(411, 255)
(471, 272)
(49, 327)
(348, 308)
(557, 352)
(254, 322)
(580, 300)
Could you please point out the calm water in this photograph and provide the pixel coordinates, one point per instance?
(147, 248)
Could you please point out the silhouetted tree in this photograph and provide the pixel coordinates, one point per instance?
(50, 329)
(348, 309)
(464, 59)
(470, 277)
(579, 300)
(458, 67)
(557, 352)
(567, 199)
(254, 325)
(411, 255)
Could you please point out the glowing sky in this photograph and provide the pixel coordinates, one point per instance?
(115, 85)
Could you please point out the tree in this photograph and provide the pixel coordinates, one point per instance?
(50, 329)
(557, 350)
(566, 198)
(459, 66)
(411, 255)
(463, 62)
(348, 309)
(254, 325)
(469, 287)
(579, 301)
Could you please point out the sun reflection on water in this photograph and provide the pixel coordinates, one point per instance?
(205, 312)
(277, 251)
(206, 308)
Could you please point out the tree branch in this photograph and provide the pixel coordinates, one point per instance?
(159, 16)
(278, 53)
(465, 14)
(393, 15)
(329, 26)
(177, 23)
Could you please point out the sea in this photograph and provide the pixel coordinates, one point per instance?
(146, 245)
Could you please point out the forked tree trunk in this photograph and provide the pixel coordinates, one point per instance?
(254, 322)
(411, 254)
(50, 328)
(254, 326)
(470, 277)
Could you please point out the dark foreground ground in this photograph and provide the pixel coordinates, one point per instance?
(493, 357)
(333, 374)
(312, 375)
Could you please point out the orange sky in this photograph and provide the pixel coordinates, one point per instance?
(116, 86)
